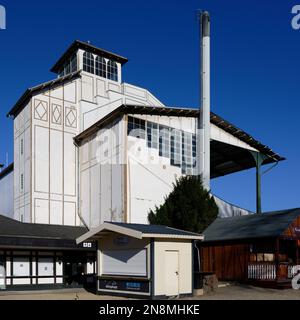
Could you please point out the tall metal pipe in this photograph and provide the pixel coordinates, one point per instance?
(204, 118)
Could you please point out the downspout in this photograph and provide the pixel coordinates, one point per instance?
(78, 188)
(198, 255)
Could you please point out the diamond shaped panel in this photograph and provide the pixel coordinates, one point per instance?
(71, 118)
(41, 110)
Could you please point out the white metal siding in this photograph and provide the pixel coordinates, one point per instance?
(7, 195)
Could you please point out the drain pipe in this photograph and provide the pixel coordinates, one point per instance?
(204, 118)
(78, 188)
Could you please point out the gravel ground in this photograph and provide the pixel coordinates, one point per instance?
(231, 292)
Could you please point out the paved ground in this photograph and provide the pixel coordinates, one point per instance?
(226, 293)
(240, 292)
(79, 294)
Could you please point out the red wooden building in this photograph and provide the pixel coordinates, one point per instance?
(261, 249)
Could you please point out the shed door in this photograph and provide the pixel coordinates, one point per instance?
(172, 273)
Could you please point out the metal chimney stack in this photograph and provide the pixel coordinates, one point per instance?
(204, 119)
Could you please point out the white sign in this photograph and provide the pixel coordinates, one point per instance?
(87, 245)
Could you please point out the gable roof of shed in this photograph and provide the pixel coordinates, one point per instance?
(138, 231)
(265, 225)
(154, 229)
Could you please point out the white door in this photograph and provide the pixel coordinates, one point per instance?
(172, 273)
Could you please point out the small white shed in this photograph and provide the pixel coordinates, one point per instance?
(143, 260)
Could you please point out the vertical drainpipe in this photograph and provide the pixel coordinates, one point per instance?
(204, 118)
(79, 187)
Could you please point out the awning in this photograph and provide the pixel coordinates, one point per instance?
(226, 159)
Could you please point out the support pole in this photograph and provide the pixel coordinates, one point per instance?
(277, 250)
(259, 158)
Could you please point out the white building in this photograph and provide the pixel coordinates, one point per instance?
(76, 161)
(7, 191)
(90, 148)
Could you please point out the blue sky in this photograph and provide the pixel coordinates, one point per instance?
(255, 67)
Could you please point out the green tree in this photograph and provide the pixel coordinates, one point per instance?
(189, 207)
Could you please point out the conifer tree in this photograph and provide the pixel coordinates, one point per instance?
(189, 207)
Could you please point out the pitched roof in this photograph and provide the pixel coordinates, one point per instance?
(182, 112)
(87, 47)
(154, 229)
(17, 108)
(13, 228)
(265, 225)
(138, 231)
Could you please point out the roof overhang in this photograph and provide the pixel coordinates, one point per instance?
(18, 107)
(107, 228)
(225, 158)
(15, 242)
(76, 45)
